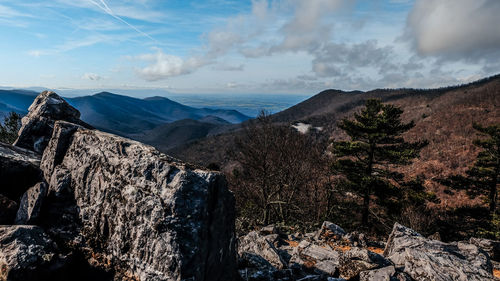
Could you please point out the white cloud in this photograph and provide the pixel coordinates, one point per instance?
(307, 27)
(226, 67)
(451, 29)
(35, 53)
(163, 65)
(91, 76)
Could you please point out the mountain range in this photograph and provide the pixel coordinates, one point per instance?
(124, 115)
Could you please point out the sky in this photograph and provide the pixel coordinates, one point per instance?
(239, 46)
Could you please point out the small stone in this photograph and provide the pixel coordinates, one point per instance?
(330, 231)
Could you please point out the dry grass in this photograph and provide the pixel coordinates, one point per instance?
(376, 250)
(341, 248)
(292, 243)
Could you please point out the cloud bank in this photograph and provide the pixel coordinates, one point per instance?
(455, 29)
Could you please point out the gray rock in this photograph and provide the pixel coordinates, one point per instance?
(8, 210)
(492, 247)
(381, 274)
(401, 276)
(330, 231)
(262, 246)
(310, 255)
(356, 239)
(270, 229)
(37, 126)
(137, 211)
(425, 259)
(31, 204)
(27, 253)
(357, 260)
(329, 267)
(19, 170)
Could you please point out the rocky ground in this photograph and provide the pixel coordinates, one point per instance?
(332, 254)
(80, 204)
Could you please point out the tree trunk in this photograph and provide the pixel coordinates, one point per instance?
(366, 198)
(493, 199)
(366, 207)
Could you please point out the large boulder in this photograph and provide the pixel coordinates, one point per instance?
(136, 211)
(425, 259)
(19, 170)
(27, 253)
(37, 126)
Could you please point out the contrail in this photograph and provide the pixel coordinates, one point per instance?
(110, 12)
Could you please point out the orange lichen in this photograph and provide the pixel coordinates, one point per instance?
(496, 273)
(292, 243)
(376, 250)
(341, 248)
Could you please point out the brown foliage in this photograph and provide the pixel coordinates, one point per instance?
(281, 175)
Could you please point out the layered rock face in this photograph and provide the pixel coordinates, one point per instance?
(121, 205)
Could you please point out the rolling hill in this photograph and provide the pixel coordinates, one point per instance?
(442, 116)
(120, 114)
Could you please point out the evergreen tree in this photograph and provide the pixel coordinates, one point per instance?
(485, 174)
(367, 161)
(483, 178)
(10, 127)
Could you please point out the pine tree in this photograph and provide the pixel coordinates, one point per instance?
(367, 161)
(10, 127)
(484, 175)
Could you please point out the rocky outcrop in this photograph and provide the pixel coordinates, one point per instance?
(425, 259)
(37, 126)
(116, 204)
(27, 253)
(19, 170)
(134, 202)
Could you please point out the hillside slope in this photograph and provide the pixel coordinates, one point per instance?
(443, 116)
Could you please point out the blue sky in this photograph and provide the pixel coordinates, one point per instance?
(261, 46)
